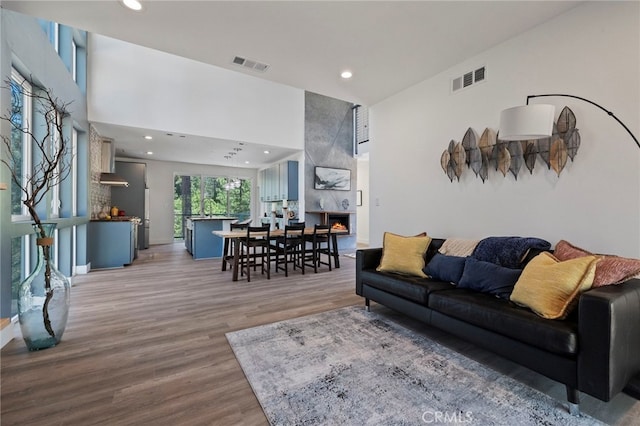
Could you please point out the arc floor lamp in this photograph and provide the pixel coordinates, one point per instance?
(536, 121)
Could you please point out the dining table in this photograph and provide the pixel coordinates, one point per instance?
(236, 236)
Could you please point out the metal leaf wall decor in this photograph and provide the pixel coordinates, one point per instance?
(459, 159)
(489, 151)
(558, 156)
(515, 151)
(469, 142)
(530, 153)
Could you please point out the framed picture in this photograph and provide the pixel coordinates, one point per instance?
(358, 198)
(328, 178)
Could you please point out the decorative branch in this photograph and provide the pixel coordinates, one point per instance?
(53, 163)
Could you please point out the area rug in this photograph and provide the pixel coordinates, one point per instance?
(352, 367)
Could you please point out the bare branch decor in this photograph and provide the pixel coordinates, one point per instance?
(51, 166)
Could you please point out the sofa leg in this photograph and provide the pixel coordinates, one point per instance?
(367, 304)
(573, 397)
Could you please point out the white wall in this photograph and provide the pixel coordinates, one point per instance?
(146, 88)
(592, 51)
(363, 210)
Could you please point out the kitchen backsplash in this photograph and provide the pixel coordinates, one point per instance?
(99, 195)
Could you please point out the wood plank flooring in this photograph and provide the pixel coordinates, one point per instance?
(146, 345)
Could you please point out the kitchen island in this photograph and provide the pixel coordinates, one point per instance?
(199, 240)
(112, 243)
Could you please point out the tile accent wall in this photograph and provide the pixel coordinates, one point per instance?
(99, 195)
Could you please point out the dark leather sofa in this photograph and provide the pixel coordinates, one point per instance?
(595, 350)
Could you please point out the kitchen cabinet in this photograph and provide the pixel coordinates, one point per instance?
(279, 182)
(200, 241)
(110, 243)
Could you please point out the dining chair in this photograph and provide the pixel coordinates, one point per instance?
(320, 245)
(256, 250)
(290, 248)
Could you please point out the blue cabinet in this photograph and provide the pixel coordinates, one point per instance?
(110, 244)
(201, 242)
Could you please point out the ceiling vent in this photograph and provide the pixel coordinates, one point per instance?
(468, 79)
(250, 63)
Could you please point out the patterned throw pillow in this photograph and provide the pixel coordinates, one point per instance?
(458, 247)
(550, 287)
(403, 255)
(610, 269)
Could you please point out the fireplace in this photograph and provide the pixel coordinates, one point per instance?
(335, 219)
(338, 221)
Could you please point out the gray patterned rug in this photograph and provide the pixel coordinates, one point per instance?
(352, 367)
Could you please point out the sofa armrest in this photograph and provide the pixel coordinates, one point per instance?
(366, 259)
(609, 338)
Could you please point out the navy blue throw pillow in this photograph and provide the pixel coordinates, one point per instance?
(489, 278)
(445, 268)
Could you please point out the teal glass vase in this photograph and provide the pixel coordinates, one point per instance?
(44, 296)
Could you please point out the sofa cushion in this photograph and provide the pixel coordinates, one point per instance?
(609, 270)
(411, 288)
(433, 248)
(507, 319)
(549, 287)
(445, 268)
(404, 255)
(509, 252)
(488, 278)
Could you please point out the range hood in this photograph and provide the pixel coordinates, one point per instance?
(108, 164)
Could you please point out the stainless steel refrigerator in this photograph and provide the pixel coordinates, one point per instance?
(134, 199)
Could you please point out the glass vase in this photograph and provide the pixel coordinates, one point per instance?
(44, 296)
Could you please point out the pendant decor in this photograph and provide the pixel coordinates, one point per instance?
(44, 296)
(504, 156)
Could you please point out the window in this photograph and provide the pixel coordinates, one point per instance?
(74, 173)
(55, 146)
(21, 107)
(209, 196)
(54, 35)
(74, 60)
(361, 126)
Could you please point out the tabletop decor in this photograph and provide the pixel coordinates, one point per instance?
(44, 295)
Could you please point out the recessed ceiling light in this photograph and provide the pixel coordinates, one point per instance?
(148, 137)
(246, 162)
(266, 152)
(149, 152)
(132, 4)
(346, 74)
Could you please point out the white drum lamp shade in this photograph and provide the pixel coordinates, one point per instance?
(527, 122)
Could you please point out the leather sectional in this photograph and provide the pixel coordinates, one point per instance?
(595, 350)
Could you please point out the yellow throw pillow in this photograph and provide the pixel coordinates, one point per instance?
(548, 286)
(404, 255)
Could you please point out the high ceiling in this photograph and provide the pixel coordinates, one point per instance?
(388, 45)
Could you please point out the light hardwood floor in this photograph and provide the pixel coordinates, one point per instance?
(146, 345)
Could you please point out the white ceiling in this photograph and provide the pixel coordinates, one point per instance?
(388, 45)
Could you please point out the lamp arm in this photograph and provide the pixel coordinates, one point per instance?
(594, 104)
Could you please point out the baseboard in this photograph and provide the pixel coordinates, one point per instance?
(7, 330)
(83, 269)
